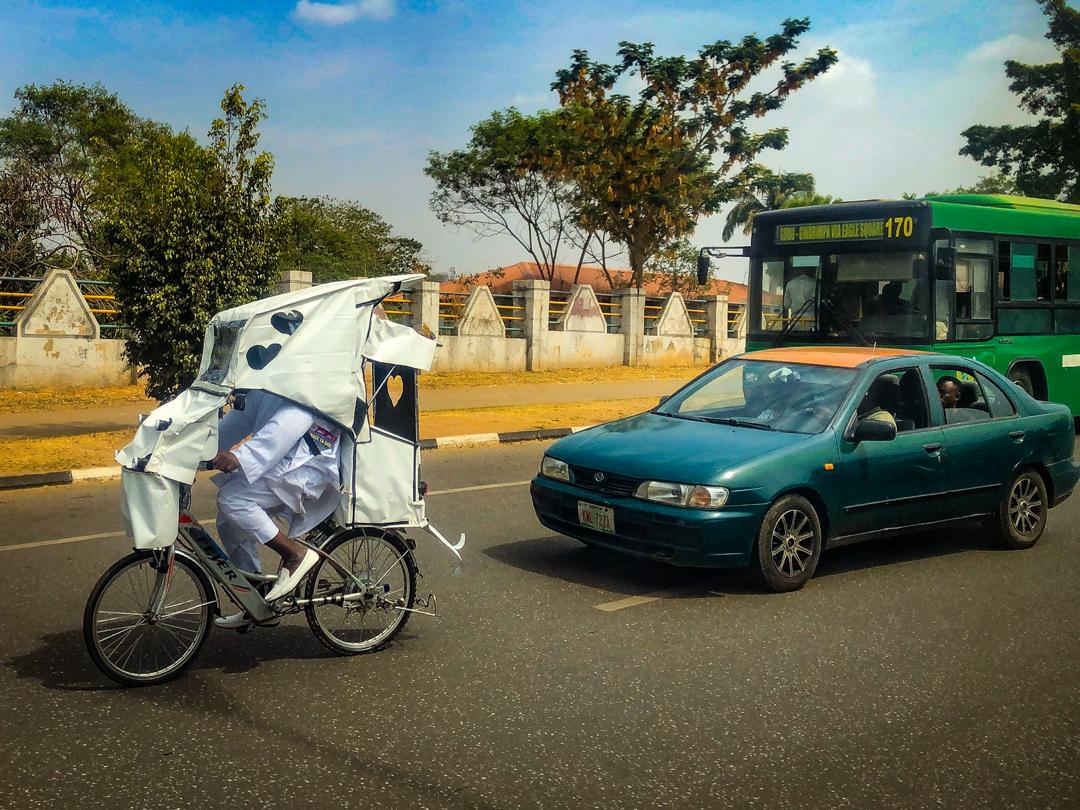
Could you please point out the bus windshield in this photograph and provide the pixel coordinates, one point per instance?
(851, 297)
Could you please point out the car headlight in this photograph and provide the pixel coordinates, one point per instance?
(553, 468)
(696, 496)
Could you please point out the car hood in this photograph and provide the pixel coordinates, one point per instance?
(665, 448)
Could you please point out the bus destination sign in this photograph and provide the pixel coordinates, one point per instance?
(849, 231)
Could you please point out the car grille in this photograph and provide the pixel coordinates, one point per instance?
(612, 483)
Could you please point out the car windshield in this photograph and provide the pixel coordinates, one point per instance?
(764, 395)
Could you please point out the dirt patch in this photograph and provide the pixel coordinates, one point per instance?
(55, 453)
(50, 400)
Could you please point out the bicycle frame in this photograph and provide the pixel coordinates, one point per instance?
(240, 585)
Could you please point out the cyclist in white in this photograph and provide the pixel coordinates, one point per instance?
(288, 468)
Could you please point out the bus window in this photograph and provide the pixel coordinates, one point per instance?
(882, 294)
(972, 289)
(788, 294)
(1067, 274)
(1017, 272)
(1044, 279)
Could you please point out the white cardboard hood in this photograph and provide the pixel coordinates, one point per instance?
(320, 363)
(308, 346)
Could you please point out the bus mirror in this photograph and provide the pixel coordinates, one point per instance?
(945, 264)
(702, 269)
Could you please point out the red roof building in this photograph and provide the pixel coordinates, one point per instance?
(501, 280)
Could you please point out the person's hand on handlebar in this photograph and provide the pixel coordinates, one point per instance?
(225, 461)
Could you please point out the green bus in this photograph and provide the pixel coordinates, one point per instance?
(992, 277)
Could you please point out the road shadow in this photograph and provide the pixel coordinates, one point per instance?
(61, 661)
(903, 549)
(567, 560)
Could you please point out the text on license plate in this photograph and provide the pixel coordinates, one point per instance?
(600, 518)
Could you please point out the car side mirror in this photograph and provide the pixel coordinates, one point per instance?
(873, 430)
(945, 264)
(663, 400)
(702, 269)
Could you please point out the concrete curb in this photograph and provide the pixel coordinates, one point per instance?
(31, 480)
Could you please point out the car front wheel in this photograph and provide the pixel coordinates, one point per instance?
(1021, 515)
(788, 545)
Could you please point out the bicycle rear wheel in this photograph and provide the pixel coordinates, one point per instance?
(362, 615)
(131, 643)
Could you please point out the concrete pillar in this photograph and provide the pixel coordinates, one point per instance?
(716, 316)
(537, 301)
(293, 280)
(632, 325)
(425, 306)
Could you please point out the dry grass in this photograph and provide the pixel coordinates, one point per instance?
(54, 400)
(18, 456)
(480, 379)
(76, 398)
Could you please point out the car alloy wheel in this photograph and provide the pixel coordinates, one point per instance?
(1026, 507)
(793, 543)
(788, 545)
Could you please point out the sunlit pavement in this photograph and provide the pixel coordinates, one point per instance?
(927, 671)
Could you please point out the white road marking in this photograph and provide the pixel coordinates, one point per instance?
(477, 488)
(60, 541)
(634, 601)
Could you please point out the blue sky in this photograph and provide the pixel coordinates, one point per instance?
(359, 92)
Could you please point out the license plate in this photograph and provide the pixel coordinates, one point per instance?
(600, 518)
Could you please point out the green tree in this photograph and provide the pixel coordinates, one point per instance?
(643, 170)
(23, 224)
(991, 184)
(191, 231)
(502, 184)
(336, 239)
(1044, 157)
(674, 268)
(764, 191)
(52, 147)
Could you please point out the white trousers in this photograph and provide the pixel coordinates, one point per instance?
(245, 513)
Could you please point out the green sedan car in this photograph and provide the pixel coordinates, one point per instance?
(770, 457)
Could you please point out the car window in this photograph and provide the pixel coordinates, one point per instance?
(961, 396)
(782, 396)
(898, 396)
(998, 400)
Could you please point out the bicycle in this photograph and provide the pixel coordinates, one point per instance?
(150, 613)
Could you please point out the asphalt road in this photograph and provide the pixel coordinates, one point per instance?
(931, 671)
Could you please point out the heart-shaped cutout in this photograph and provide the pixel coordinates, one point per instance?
(259, 357)
(287, 322)
(395, 387)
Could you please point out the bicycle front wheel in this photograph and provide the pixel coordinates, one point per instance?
(362, 612)
(131, 642)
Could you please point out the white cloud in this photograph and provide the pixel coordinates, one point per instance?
(343, 13)
(1011, 46)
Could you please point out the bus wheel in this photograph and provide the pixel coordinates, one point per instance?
(1022, 377)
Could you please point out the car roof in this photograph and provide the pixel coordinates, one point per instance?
(835, 356)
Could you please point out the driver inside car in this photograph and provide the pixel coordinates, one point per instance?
(287, 468)
(883, 400)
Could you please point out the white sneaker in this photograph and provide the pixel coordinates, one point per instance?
(232, 622)
(238, 621)
(288, 581)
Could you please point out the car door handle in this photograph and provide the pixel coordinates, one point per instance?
(933, 448)
(1016, 435)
